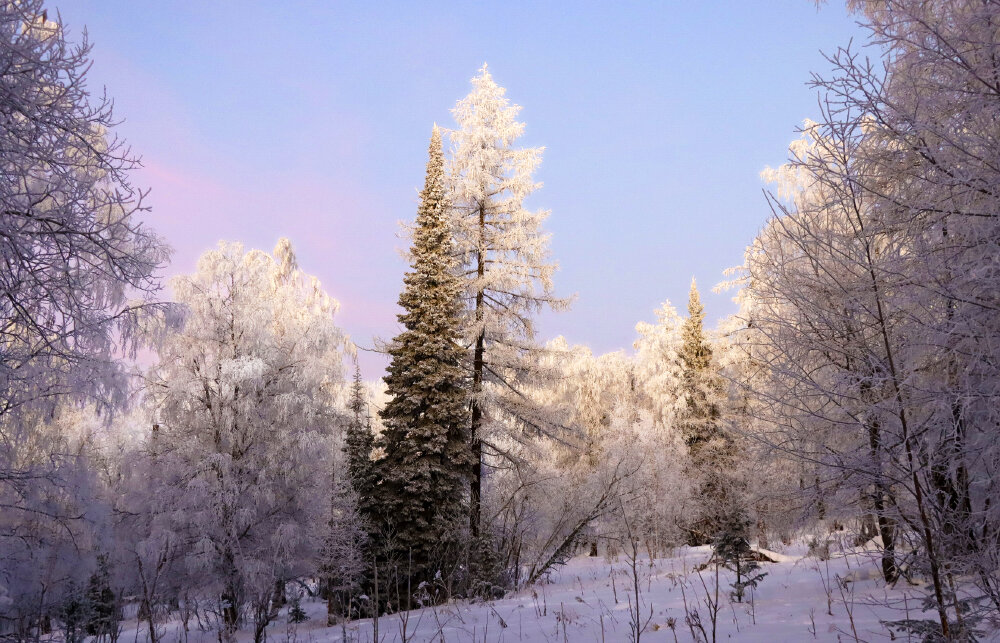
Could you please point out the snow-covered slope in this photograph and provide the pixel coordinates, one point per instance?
(592, 599)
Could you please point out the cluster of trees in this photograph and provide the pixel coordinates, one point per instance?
(855, 389)
(497, 457)
(240, 469)
(868, 326)
(215, 487)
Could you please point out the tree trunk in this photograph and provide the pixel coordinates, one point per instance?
(887, 532)
(475, 501)
(883, 495)
(478, 365)
(762, 542)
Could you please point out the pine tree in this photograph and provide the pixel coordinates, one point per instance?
(73, 613)
(700, 425)
(505, 263)
(424, 472)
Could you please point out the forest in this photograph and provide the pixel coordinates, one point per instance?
(201, 457)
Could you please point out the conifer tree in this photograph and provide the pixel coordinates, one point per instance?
(507, 273)
(699, 382)
(732, 549)
(359, 442)
(423, 476)
(344, 568)
(102, 609)
(700, 426)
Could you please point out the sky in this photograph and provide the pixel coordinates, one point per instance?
(310, 120)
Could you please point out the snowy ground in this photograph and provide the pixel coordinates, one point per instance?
(589, 600)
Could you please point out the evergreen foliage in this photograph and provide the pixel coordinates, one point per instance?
(699, 382)
(73, 614)
(864, 364)
(732, 549)
(358, 443)
(295, 612)
(102, 605)
(423, 476)
(700, 418)
(344, 568)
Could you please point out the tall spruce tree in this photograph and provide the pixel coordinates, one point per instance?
(424, 472)
(700, 386)
(700, 424)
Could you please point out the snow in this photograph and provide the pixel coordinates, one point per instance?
(589, 599)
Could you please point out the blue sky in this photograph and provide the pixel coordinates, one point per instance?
(310, 120)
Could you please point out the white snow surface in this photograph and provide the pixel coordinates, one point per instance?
(589, 599)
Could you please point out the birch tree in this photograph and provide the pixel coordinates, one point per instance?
(77, 281)
(244, 398)
(859, 375)
(932, 120)
(904, 172)
(54, 520)
(78, 261)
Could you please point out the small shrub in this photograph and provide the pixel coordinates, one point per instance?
(295, 612)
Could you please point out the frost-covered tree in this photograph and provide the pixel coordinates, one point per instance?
(76, 280)
(150, 544)
(551, 501)
(731, 547)
(660, 497)
(245, 408)
(353, 509)
(583, 394)
(343, 564)
(359, 443)
(424, 472)
(78, 262)
(699, 420)
(507, 273)
(52, 534)
(658, 368)
(700, 385)
(769, 482)
(873, 296)
(822, 338)
(827, 313)
(930, 173)
(564, 494)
